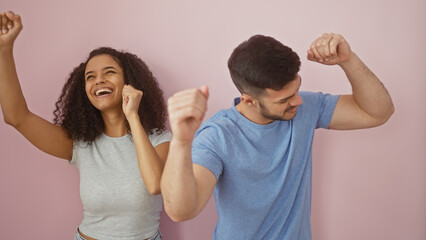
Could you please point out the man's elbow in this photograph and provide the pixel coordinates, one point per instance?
(178, 216)
(385, 117)
(391, 110)
(179, 211)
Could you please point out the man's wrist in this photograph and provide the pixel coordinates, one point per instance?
(353, 58)
(179, 143)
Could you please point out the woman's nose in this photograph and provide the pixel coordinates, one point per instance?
(100, 80)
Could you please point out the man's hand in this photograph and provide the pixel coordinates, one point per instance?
(330, 49)
(10, 26)
(186, 112)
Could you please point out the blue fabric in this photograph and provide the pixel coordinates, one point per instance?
(264, 172)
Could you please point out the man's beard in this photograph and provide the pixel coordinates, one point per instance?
(266, 114)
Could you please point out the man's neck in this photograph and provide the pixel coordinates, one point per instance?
(252, 113)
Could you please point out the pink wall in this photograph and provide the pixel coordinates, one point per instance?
(368, 184)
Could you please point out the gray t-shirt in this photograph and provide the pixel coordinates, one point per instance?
(116, 203)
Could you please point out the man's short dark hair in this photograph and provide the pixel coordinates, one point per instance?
(262, 62)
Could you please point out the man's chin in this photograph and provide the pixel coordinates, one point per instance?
(288, 116)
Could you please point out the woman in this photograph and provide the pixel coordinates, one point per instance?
(109, 122)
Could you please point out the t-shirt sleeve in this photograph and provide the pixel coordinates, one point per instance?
(205, 150)
(159, 137)
(74, 159)
(319, 107)
(327, 109)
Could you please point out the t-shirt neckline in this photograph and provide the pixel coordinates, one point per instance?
(246, 121)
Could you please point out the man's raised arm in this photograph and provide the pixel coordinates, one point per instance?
(185, 187)
(370, 104)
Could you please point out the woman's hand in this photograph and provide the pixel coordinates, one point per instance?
(10, 27)
(131, 100)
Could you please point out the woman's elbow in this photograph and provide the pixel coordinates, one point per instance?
(154, 189)
(11, 121)
(16, 118)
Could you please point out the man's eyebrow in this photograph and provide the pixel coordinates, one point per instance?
(285, 99)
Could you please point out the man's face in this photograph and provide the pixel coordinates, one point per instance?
(281, 104)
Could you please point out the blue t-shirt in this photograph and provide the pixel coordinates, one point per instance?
(264, 172)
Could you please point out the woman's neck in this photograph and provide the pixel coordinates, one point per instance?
(114, 124)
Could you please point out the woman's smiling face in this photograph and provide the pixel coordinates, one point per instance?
(104, 82)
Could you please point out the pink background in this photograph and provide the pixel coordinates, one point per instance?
(368, 184)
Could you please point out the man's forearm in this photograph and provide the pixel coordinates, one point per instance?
(178, 184)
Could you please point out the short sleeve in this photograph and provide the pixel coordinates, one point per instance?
(206, 150)
(77, 145)
(317, 109)
(327, 105)
(159, 137)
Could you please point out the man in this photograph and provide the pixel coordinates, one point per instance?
(256, 156)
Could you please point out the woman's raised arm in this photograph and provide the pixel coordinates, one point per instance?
(43, 134)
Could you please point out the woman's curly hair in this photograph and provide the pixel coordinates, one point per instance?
(82, 121)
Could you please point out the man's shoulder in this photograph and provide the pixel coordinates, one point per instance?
(306, 95)
(223, 117)
(219, 124)
(314, 100)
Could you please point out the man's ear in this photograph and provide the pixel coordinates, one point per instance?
(248, 100)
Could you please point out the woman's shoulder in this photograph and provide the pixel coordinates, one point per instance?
(158, 136)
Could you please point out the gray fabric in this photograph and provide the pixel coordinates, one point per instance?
(77, 236)
(116, 203)
(157, 236)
